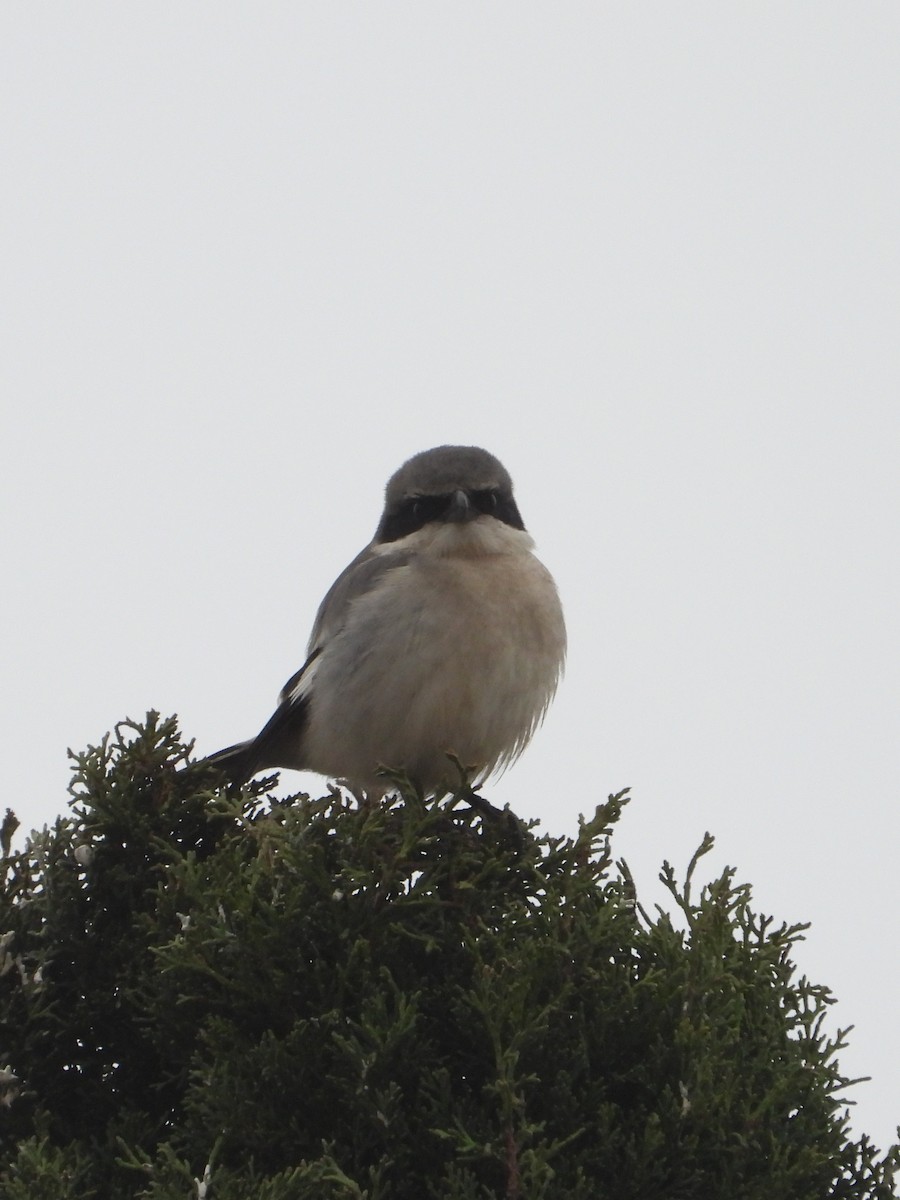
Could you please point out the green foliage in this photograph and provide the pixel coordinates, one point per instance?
(229, 995)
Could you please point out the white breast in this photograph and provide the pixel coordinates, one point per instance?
(458, 651)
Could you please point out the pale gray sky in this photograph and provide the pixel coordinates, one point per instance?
(254, 255)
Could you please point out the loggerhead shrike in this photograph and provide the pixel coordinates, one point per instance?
(444, 636)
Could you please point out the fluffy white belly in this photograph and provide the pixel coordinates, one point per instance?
(456, 655)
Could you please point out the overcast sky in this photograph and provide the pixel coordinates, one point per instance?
(255, 255)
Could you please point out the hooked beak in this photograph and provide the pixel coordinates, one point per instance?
(461, 507)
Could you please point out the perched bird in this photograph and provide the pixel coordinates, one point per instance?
(444, 636)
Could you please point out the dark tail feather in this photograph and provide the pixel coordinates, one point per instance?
(276, 745)
(239, 762)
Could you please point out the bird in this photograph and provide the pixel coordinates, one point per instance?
(444, 638)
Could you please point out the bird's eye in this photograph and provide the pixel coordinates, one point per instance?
(486, 500)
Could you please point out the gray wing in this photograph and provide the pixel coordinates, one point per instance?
(360, 577)
(279, 743)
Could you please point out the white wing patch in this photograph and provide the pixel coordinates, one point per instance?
(300, 688)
